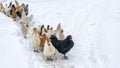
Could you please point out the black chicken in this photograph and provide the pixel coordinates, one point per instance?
(63, 46)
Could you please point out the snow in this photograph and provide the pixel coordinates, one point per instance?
(11, 51)
(108, 34)
(94, 25)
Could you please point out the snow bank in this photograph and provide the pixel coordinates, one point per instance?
(11, 51)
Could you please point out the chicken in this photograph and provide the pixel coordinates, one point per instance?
(63, 46)
(19, 14)
(48, 28)
(7, 10)
(49, 50)
(29, 18)
(35, 40)
(58, 27)
(50, 32)
(23, 16)
(25, 19)
(2, 9)
(24, 29)
(60, 35)
(20, 10)
(59, 32)
(1, 5)
(17, 4)
(10, 4)
(13, 11)
(43, 37)
(39, 29)
(42, 30)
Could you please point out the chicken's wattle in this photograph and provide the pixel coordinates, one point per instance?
(48, 44)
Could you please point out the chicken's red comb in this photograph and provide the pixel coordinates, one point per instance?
(62, 31)
(42, 26)
(51, 28)
(70, 37)
(48, 43)
(34, 28)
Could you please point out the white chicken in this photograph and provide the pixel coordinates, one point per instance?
(24, 29)
(26, 20)
(2, 9)
(58, 27)
(60, 35)
(50, 32)
(35, 40)
(23, 15)
(29, 18)
(17, 4)
(59, 32)
(7, 10)
(49, 50)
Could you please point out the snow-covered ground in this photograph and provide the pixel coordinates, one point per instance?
(94, 25)
(108, 33)
(12, 54)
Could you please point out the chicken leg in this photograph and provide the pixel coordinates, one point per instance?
(25, 37)
(49, 58)
(65, 57)
(36, 51)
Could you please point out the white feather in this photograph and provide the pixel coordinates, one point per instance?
(24, 29)
(58, 27)
(49, 50)
(60, 36)
(7, 10)
(50, 32)
(35, 40)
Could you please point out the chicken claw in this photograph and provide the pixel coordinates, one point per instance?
(65, 57)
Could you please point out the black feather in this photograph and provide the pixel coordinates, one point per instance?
(63, 46)
(19, 14)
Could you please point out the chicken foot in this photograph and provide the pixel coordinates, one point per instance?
(49, 59)
(36, 50)
(65, 57)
